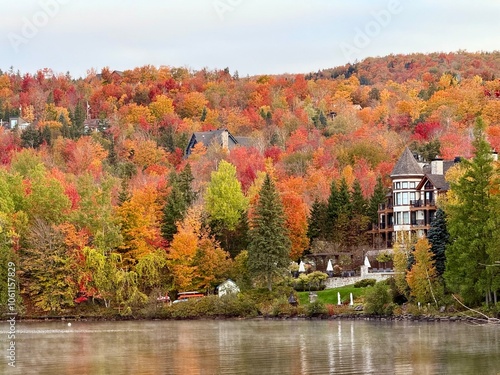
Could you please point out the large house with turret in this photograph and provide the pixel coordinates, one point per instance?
(411, 201)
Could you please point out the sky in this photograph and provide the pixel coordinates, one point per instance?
(251, 37)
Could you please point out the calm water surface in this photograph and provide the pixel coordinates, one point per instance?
(253, 347)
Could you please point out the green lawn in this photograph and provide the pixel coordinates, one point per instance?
(330, 295)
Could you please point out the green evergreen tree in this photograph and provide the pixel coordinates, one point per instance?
(438, 237)
(345, 198)
(358, 224)
(358, 201)
(269, 247)
(377, 198)
(180, 199)
(472, 224)
(333, 208)
(185, 180)
(203, 114)
(77, 120)
(317, 222)
(31, 137)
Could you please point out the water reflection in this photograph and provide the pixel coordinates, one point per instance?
(254, 347)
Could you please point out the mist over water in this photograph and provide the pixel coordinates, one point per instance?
(254, 347)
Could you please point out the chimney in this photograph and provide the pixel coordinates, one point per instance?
(225, 139)
(437, 166)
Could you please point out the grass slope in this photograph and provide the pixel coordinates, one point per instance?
(330, 295)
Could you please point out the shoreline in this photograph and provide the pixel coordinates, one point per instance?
(394, 318)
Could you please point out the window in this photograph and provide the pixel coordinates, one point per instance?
(405, 185)
(412, 185)
(405, 199)
(406, 217)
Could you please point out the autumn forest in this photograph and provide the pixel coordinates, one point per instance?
(98, 197)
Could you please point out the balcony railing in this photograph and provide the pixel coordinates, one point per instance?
(422, 203)
(385, 206)
(382, 226)
(418, 222)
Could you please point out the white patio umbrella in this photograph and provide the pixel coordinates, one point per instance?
(367, 262)
(302, 267)
(329, 266)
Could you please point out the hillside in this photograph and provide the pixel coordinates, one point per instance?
(94, 179)
(418, 66)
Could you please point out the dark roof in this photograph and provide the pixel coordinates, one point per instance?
(447, 164)
(208, 137)
(407, 165)
(244, 141)
(437, 180)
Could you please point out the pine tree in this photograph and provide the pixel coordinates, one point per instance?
(357, 224)
(333, 209)
(78, 120)
(317, 222)
(180, 199)
(345, 198)
(438, 238)
(473, 225)
(358, 201)
(339, 211)
(185, 181)
(377, 198)
(269, 247)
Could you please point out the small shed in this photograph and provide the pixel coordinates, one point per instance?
(227, 287)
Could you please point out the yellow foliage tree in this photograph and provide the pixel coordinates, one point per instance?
(161, 107)
(140, 217)
(195, 259)
(422, 277)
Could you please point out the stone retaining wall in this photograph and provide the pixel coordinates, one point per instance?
(337, 282)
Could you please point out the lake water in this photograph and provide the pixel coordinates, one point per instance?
(252, 347)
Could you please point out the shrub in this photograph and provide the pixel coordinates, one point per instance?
(281, 307)
(378, 300)
(364, 283)
(316, 308)
(330, 309)
(312, 281)
(212, 306)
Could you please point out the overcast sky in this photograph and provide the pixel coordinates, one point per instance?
(250, 36)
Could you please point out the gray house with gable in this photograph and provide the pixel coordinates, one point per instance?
(220, 137)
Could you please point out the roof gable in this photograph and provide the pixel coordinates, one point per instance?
(212, 137)
(407, 165)
(437, 180)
